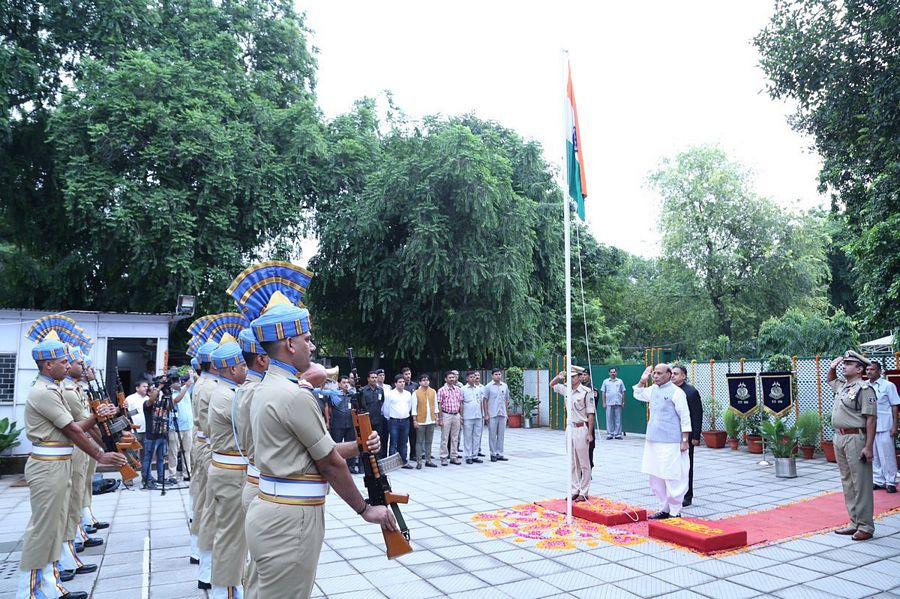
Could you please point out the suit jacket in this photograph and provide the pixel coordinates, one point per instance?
(695, 406)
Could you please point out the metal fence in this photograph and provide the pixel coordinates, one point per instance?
(813, 393)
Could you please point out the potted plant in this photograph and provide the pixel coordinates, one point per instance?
(827, 443)
(515, 380)
(733, 425)
(781, 440)
(808, 427)
(753, 434)
(714, 438)
(528, 406)
(9, 436)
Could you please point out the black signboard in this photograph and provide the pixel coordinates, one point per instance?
(742, 392)
(778, 397)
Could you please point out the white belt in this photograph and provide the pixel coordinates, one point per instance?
(309, 490)
(232, 462)
(52, 452)
(252, 471)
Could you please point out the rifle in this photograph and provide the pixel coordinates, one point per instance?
(380, 493)
(113, 431)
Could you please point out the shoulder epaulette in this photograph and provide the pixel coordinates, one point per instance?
(53, 386)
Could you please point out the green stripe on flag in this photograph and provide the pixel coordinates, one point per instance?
(574, 177)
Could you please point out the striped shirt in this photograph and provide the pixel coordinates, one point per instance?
(449, 398)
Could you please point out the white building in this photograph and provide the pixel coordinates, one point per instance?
(124, 341)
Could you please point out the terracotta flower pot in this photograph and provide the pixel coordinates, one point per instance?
(754, 444)
(514, 421)
(828, 450)
(808, 451)
(734, 444)
(714, 439)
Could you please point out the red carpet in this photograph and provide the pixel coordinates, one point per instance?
(822, 513)
(598, 510)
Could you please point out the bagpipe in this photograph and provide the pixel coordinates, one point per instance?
(375, 476)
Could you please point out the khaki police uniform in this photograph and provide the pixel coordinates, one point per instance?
(80, 411)
(579, 407)
(224, 484)
(285, 529)
(49, 477)
(202, 390)
(243, 400)
(853, 402)
(87, 499)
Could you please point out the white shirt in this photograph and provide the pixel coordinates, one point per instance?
(886, 393)
(472, 397)
(136, 402)
(397, 404)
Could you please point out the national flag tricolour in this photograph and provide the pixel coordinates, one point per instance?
(574, 155)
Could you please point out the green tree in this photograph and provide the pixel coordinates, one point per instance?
(837, 59)
(183, 142)
(751, 259)
(434, 256)
(803, 333)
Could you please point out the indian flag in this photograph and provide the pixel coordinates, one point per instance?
(574, 154)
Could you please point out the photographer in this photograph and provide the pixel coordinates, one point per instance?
(181, 425)
(156, 436)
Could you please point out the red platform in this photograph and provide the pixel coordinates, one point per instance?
(704, 536)
(599, 510)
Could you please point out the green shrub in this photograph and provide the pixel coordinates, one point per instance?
(808, 426)
(9, 435)
(779, 437)
(733, 425)
(515, 379)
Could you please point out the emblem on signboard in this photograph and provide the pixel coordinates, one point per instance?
(742, 392)
(776, 393)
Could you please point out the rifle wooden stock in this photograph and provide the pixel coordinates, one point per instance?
(127, 473)
(380, 493)
(396, 543)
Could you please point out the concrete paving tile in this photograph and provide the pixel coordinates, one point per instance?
(457, 583)
(343, 584)
(723, 589)
(606, 591)
(841, 587)
(571, 581)
(647, 586)
(882, 581)
(528, 589)
(717, 568)
(761, 582)
(803, 592)
(541, 568)
(682, 594)
(501, 575)
(431, 570)
(791, 572)
(820, 564)
(418, 589)
(684, 577)
(120, 583)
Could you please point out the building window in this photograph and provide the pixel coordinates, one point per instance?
(7, 378)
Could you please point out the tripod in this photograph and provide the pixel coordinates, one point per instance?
(184, 462)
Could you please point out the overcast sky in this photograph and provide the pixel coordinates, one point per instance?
(651, 79)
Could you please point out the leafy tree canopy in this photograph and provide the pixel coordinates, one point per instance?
(838, 59)
(801, 333)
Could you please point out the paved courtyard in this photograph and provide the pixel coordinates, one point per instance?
(146, 549)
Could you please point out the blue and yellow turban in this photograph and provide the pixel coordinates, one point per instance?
(228, 353)
(58, 328)
(249, 344)
(269, 294)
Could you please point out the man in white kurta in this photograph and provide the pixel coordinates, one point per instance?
(666, 459)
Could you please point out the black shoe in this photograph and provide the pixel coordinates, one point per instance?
(890, 488)
(89, 529)
(686, 503)
(101, 525)
(493, 458)
(477, 460)
(194, 560)
(480, 455)
(468, 460)
(456, 462)
(172, 481)
(150, 486)
(74, 595)
(203, 585)
(186, 479)
(500, 458)
(407, 466)
(86, 569)
(660, 516)
(93, 542)
(430, 465)
(418, 465)
(66, 575)
(79, 547)
(878, 487)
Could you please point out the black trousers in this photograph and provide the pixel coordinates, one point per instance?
(689, 496)
(591, 447)
(341, 434)
(412, 442)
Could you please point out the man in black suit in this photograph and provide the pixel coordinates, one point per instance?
(679, 378)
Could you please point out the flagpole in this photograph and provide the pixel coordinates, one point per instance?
(568, 254)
